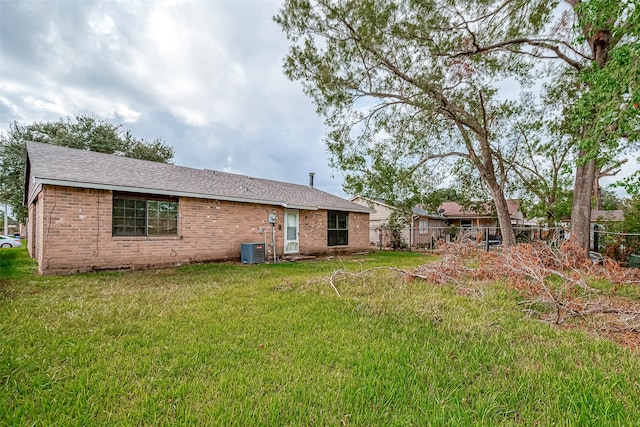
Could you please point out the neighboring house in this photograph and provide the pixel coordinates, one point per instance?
(378, 219)
(428, 228)
(424, 225)
(603, 217)
(479, 222)
(602, 220)
(92, 211)
(424, 229)
(483, 215)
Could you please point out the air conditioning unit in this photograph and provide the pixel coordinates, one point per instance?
(252, 253)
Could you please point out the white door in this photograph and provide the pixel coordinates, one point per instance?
(291, 243)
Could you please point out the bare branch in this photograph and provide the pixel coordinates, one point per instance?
(541, 43)
(613, 169)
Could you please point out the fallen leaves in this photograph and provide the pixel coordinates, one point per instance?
(561, 279)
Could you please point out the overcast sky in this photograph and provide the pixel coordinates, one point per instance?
(204, 76)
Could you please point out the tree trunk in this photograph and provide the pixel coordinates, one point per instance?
(597, 191)
(581, 205)
(600, 44)
(504, 219)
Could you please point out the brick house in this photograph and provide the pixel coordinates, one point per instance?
(93, 211)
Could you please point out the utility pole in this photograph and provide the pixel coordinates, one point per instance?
(5, 196)
(6, 221)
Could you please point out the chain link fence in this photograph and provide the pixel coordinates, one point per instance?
(407, 238)
(623, 247)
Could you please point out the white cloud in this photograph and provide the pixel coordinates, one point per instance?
(102, 24)
(39, 104)
(127, 114)
(186, 68)
(205, 76)
(50, 103)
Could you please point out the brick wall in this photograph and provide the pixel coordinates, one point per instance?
(313, 233)
(72, 232)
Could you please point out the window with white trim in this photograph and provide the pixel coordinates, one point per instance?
(424, 226)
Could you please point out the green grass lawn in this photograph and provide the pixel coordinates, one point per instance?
(230, 344)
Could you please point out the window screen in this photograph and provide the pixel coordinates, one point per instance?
(144, 217)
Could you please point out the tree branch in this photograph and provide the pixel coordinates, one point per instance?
(542, 43)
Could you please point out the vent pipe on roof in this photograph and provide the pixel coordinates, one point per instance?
(311, 174)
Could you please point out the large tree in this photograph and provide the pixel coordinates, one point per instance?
(595, 48)
(82, 132)
(395, 101)
(605, 118)
(402, 83)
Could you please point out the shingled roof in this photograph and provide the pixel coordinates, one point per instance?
(607, 216)
(51, 164)
(456, 210)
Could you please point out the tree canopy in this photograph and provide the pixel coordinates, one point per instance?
(405, 85)
(81, 132)
(397, 100)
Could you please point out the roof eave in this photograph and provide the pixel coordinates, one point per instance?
(25, 178)
(359, 209)
(301, 207)
(376, 202)
(469, 216)
(435, 217)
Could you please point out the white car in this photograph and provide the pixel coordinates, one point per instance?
(9, 242)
